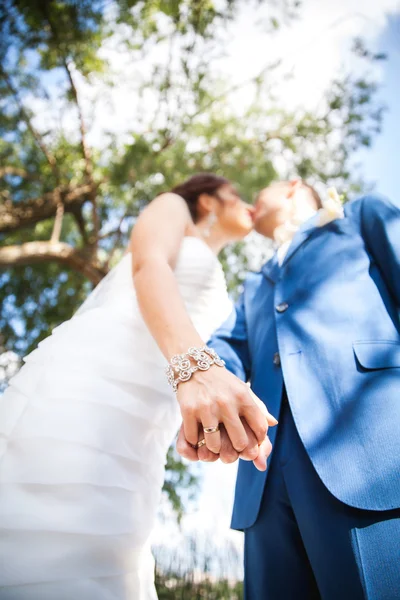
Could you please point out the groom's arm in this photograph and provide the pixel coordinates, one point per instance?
(231, 343)
(380, 220)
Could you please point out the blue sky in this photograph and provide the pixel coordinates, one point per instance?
(382, 163)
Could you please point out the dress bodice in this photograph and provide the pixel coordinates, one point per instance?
(200, 279)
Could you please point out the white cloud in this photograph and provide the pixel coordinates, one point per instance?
(313, 48)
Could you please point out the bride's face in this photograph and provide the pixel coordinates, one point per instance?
(235, 217)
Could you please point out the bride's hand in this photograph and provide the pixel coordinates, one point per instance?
(216, 397)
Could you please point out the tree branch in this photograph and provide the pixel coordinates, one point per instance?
(116, 231)
(85, 148)
(56, 233)
(40, 252)
(86, 152)
(76, 211)
(49, 157)
(118, 234)
(236, 88)
(87, 156)
(25, 214)
(9, 170)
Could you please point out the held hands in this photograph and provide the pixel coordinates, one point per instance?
(254, 452)
(216, 397)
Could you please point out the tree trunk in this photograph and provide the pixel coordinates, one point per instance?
(39, 252)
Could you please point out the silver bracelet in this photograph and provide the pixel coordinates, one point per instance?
(181, 367)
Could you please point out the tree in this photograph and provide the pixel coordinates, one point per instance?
(199, 569)
(58, 197)
(67, 203)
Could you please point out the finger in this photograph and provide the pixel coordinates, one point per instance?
(184, 448)
(236, 432)
(228, 453)
(252, 450)
(203, 452)
(257, 416)
(264, 451)
(256, 420)
(190, 426)
(213, 440)
(270, 418)
(205, 455)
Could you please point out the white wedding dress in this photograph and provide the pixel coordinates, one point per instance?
(84, 431)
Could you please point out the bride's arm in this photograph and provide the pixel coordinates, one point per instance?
(210, 397)
(155, 243)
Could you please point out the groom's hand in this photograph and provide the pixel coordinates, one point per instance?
(216, 397)
(258, 453)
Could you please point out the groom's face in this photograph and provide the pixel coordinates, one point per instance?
(271, 208)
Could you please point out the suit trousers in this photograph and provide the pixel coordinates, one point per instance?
(308, 545)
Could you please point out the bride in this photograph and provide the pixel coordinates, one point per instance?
(86, 424)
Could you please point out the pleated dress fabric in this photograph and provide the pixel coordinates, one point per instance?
(84, 430)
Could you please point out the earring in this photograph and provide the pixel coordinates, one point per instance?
(211, 220)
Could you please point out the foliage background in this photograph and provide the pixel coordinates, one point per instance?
(72, 184)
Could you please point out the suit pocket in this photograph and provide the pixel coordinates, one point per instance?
(377, 354)
(376, 551)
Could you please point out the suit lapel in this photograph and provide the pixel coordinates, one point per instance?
(271, 269)
(301, 236)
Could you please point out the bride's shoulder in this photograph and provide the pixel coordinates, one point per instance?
(169, 207)
(160, 227)
(172, 200)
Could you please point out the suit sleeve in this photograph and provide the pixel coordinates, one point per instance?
(380, 219)
(230, 342)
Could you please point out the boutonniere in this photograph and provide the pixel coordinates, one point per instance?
(332, 208)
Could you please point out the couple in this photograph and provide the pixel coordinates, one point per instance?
(86, 423)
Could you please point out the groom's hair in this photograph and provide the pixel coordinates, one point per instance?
(192, 188)
(313, 192)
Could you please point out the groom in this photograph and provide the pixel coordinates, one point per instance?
(317, 333)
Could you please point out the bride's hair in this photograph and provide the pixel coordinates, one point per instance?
(192, 188)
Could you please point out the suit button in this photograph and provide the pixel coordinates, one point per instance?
(277, 359)
(281, 308)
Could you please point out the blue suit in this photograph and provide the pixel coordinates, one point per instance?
(323, 330)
